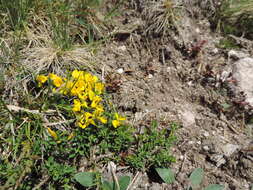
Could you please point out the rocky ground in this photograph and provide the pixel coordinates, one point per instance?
(183, 75)
(166, 62)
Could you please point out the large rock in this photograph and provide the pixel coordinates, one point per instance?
(243, 74)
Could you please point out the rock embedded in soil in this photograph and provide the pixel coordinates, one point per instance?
(243, 74)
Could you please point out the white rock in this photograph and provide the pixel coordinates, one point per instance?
(243, 74)
(150, 76)
(215, 51)
(120, 70)
(188, 118)
(206, 148)
(206, 134)
(229, 149)
(237, 54)
(191, 142)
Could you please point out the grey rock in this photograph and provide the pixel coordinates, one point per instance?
(237, 54)
(243, 74)
(229, 149)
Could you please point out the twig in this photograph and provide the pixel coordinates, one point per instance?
(17, 108)
(135, 179)
(231, 127)
(59, 123)
(41, 183)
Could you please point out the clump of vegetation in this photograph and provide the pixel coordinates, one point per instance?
(235, 17)
(161, 16)
(68, 123)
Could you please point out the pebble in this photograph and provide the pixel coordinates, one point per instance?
(120, 70)
(206, 148)
(150, 76)
(206, 134)
(122, 48)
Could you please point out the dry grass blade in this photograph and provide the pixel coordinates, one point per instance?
(160, 16)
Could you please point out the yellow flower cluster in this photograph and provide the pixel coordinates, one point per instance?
(87, 90)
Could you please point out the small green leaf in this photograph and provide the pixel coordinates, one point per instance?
(107, 185)
(124, 181)
(215, 187)
(196, 176)
(86, 179)
(226, 106)
(166, 174)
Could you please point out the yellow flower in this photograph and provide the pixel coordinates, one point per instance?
(77, 105)
(99, 87)
(77, 74)
(95, 101)
(91, 95)
(82, 96)
(41, 79)
(102, 119)
(52, 133)
(57, 81)
(98, 110)
(86, 120)
(117, 121)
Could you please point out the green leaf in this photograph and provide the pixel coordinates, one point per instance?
(86, 179)
(196, 176)
(124, 181)
(107, 185)
(215, 187)
(226, 106)
(166, 174)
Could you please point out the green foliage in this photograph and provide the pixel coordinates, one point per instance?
(166, 174)
(214, 187)
(195, 179)
(58, 172)
(153, 147)
(90, 179)
(227, 43)
(17, 11)
(86, 179)
(32, 151)
(235, 17)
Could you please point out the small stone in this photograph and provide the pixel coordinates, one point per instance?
(197, 30)
(190, 83)
(120, 70)
(237, 54)
(188, 118)
(199, 142)
(122, 48)
(218, 159)
(229, 149)
(215, 51)
(206, 134)
(191, 142)
(206, 148)
(150, 76)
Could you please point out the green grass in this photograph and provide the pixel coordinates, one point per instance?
(235, 17)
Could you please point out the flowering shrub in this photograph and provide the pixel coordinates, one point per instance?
(86, 92)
